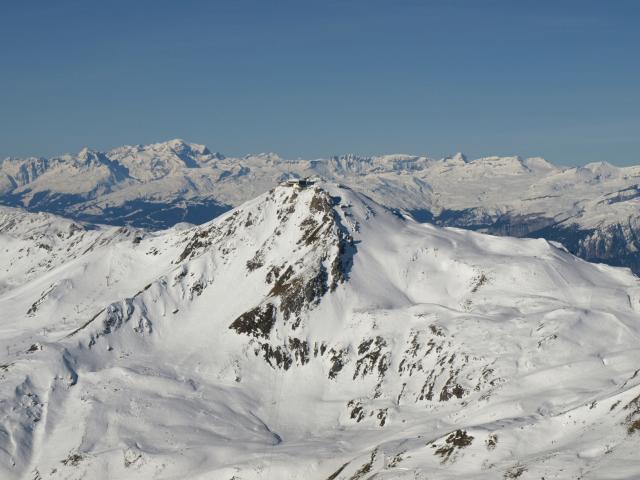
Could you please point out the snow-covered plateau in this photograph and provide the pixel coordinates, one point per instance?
(312, 333)
(593, 210)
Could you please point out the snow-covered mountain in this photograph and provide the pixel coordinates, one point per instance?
(593, 210)
(154, 186)
(311, 334)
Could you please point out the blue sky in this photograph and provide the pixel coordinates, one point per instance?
(559, 79)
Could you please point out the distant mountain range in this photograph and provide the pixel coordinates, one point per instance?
(593, 210)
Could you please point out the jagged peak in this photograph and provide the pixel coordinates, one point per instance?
(294, 215)
(457, 157)
(295, 242)
(87, 153)
(89, 156)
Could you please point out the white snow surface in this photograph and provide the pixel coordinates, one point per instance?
(312, 334)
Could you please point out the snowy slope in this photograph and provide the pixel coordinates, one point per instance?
(313, 334)
(592, 210)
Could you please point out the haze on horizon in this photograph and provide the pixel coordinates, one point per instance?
(313, 79)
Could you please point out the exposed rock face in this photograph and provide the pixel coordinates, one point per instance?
(321, 260)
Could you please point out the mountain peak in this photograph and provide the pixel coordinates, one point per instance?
(176, 143)
(89, 156)
(179, 146)
(458, 157)
(87, 153)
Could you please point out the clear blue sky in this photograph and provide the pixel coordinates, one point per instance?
(556, 78)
